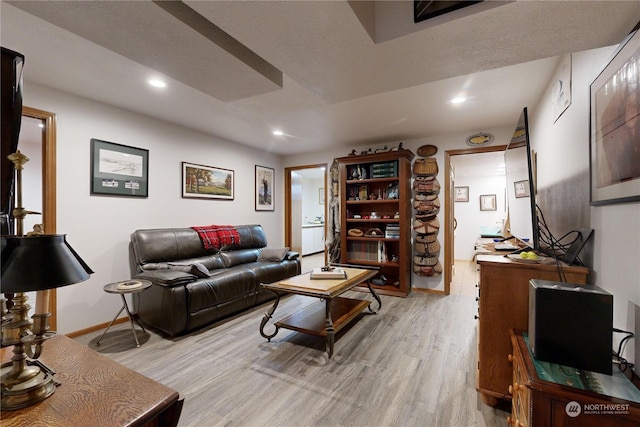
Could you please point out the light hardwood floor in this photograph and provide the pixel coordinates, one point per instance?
(412, 364)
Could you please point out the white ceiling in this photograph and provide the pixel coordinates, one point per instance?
(327, 73)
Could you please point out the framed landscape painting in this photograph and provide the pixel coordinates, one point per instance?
(119, 170)
(264, 188)
(207, 182)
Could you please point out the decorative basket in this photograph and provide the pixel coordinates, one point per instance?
(428, 166)
(427, 206)
(425, 260)
(426, 238)
(355, 232)
(430, 226)
(427, 248)
(427, 150)
(426, 186)
(425, 196)
(422, 270)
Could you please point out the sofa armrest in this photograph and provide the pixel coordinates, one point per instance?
(291, 255)
(167, 278)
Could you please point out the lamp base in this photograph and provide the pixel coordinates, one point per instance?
(29, 392)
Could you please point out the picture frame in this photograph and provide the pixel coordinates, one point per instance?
(521, 188)
(321, 195)
(265, 188)
(119, 170)
(462, 194)
(207, 182)
(614, 146)
(488, 202)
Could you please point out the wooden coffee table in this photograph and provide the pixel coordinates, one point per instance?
(320, 319)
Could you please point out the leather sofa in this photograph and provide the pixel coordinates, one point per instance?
(193, 286)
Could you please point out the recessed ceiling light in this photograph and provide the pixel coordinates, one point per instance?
(458, 100)
(157, 83)
(278, 133)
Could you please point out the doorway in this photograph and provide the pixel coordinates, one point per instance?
(450, 222)
(305, 209)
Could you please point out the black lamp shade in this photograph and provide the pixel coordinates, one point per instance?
(40, 262)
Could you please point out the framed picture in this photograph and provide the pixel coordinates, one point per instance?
(206, 182)
(462, 194)
(265, 180)
(615, 128)
(521, 188)
(488, 202)
(119, 170)
(321, 195)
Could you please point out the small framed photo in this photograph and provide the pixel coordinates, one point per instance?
(265, 181)
(462, 194)
(488, 202)
(521, 188)
(119, 170)
(206, 182)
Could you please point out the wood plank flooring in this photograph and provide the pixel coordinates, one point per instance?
(412, 364)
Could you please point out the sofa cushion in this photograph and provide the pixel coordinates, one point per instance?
(243, 256)
(195, 268)
(273, 254)
(166, 277)
(223, 285)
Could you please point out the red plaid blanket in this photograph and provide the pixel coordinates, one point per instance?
(216, 236)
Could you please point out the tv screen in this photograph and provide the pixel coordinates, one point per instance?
(523, 221)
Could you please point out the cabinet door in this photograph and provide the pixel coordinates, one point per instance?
(307, 241)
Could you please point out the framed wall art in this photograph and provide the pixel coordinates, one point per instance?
(615, 127)
(488, 202)
(462, 194)
(119, 170)
(521, 188)
(264, 186)
(207, 182)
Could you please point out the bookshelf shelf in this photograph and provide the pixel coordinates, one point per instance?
(378, 184)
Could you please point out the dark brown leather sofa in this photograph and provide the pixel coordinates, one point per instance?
(192, 286)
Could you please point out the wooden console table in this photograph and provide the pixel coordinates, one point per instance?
(503, 304)
(95, 391)
(550, 395)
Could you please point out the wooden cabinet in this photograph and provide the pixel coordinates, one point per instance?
(375, 197)
(555, 403)
(503, 304)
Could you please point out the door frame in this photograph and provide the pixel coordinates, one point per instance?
(449, 203)
(287, 200)
(49, 196)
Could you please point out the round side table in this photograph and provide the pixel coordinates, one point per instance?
(123, 288)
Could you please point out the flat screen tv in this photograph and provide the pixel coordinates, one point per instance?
(521, 201)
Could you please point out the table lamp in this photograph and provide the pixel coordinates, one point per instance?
(33, 263)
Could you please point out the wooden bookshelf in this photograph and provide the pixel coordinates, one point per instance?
(375, 194)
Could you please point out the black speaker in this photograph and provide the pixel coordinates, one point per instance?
(571, 325)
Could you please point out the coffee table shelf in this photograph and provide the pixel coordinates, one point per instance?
(312, 319)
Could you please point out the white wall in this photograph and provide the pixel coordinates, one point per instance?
(563, 153)
(469, 216)
(98, 227)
